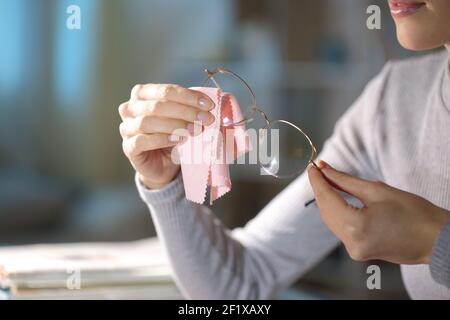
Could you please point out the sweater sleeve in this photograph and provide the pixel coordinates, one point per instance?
(440, 257)
(275, 248)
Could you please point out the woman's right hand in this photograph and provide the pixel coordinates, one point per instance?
(151, 120)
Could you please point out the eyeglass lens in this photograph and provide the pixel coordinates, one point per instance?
(283, 150)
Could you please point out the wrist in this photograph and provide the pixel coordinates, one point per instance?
(440, 258)
(441, 218)
(152, 185)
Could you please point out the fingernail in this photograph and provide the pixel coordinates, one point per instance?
(174, 138)
(190, 127)
(194, 128)
(323, 164)
(205, 103)
(203, 116)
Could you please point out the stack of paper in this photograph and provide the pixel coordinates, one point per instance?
(133, 270)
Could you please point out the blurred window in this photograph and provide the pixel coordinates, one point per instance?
(13, 44)
(74, 52)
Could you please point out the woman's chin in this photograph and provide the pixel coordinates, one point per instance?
(417, 42)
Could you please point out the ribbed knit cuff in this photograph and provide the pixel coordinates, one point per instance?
(440, 257)
(168, 194)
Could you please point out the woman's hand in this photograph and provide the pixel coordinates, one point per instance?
(393, 225)
(152, 120)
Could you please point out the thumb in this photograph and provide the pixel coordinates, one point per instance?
(364, 190)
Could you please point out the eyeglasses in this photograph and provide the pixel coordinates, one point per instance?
(291, 149)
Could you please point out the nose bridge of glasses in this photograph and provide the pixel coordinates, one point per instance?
(255, 109)
(247, 118)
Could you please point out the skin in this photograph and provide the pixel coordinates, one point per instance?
(426, 29)
(154, 120)
(393, 225)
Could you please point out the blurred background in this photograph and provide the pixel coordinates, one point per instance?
(63, 177)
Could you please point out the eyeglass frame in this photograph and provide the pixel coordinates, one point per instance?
(254, 109)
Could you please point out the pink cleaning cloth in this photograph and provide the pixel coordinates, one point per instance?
(205, 158)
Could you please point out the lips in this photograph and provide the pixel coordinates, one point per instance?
(401, 8)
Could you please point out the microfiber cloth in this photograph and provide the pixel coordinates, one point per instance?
(205, 158)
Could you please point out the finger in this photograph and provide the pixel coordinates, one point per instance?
(327, 198)
(149, 124)
(169, 109)
(123, 111)
(175, 93)
(148, 142)
(135, 92)
(366, 191)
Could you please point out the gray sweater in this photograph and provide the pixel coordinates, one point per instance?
(397, 131)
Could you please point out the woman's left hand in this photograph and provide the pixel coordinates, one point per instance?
(393, 225)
